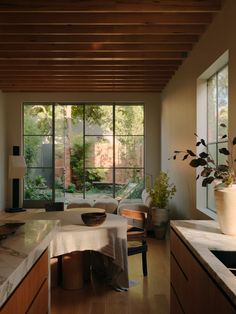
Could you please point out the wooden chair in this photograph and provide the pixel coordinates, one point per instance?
(136, 235)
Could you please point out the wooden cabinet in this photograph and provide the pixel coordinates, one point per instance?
(31, 296)
(193, 291)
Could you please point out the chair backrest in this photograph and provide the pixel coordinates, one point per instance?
(135, 218)
(54, 206)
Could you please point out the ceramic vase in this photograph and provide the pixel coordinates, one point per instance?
(160, 220)
(225, 200)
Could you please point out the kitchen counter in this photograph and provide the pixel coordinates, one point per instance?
(202, 236)
(20, 251)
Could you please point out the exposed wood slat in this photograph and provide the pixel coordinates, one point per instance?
(111, 6)
(68, 39)
(102, 29)
(107, 45)
(95, 55)
(84, 63)
(86, 70)
(94, 47)
(114, 18)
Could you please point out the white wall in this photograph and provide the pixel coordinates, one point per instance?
(3, 163)
(179, 106)
(152, 112)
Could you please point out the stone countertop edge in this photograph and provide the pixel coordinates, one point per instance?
(202, 236)
(20, 251)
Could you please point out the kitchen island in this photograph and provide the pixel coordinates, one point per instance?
(200, 281)
(24, 266)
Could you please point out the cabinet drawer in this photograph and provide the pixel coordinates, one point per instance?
(175, 307)
(179, 283)
(40, 303)
(24, 294)
(180, 252)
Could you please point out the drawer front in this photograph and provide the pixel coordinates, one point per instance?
(24, 294)
(175, 307)
(40, 303)
(181, 253)
(179, 283)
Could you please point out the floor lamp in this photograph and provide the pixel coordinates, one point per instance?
(17, 170)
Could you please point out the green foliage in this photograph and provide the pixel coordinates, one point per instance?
(71, 188)
(211, 171)
(77, 155)
(162, 191)
(36, 189)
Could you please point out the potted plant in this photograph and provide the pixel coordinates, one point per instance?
(222, 175)
(161, 193)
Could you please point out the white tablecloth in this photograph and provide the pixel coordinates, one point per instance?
(110, 238)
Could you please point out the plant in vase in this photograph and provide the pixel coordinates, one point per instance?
(222, 175)
(161, 193)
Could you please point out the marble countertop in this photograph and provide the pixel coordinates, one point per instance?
(19, 252)
(202, 236)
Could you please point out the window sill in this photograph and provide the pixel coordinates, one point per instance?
(208, 212)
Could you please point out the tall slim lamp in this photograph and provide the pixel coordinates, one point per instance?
(17, 170)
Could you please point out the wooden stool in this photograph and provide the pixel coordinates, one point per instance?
(72, 271)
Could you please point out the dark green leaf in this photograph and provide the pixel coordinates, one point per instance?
(207, 181)
(223, 168)
(185, 156)
(223, 125)
(224, 151)
(191, 153)
(195, 134)
(198, 143)
(194, 163)
(234, 141)
(203, 155)
(202, 162)
(174, 157)
(224, 136)
(197, 177)
(203, 142)
(177, 151)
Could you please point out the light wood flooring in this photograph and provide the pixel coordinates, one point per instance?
(147, 296)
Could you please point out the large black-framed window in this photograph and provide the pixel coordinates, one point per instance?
(82, 150)
(217, 114)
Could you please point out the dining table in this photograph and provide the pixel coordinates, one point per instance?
(109, 238)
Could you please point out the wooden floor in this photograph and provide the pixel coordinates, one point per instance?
(147, 295)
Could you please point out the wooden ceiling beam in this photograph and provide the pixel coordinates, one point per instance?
(84, 75)
(102, 29)
(84, 63)
(86, 70)
(108, 39)
(62, 18)
(111, 6)
(95, 55)
(126, 47)
(84, 90)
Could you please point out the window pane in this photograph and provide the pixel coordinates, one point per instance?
(38, 119)
(212, 150)
(129, 182)
(98, 120)
(99, 151)
(221, 157)
(129, 151)
(129, 120)
(38, 184)
(212, 109)
(222, 102)
(98, 182)
(38, 151)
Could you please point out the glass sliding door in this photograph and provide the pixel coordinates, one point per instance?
(38, 151)
(83, 150)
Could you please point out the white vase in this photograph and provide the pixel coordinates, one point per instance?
(225, 200)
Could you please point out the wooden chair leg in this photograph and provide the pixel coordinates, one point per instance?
(144, 262)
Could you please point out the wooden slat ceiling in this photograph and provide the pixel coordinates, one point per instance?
(92, 45)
